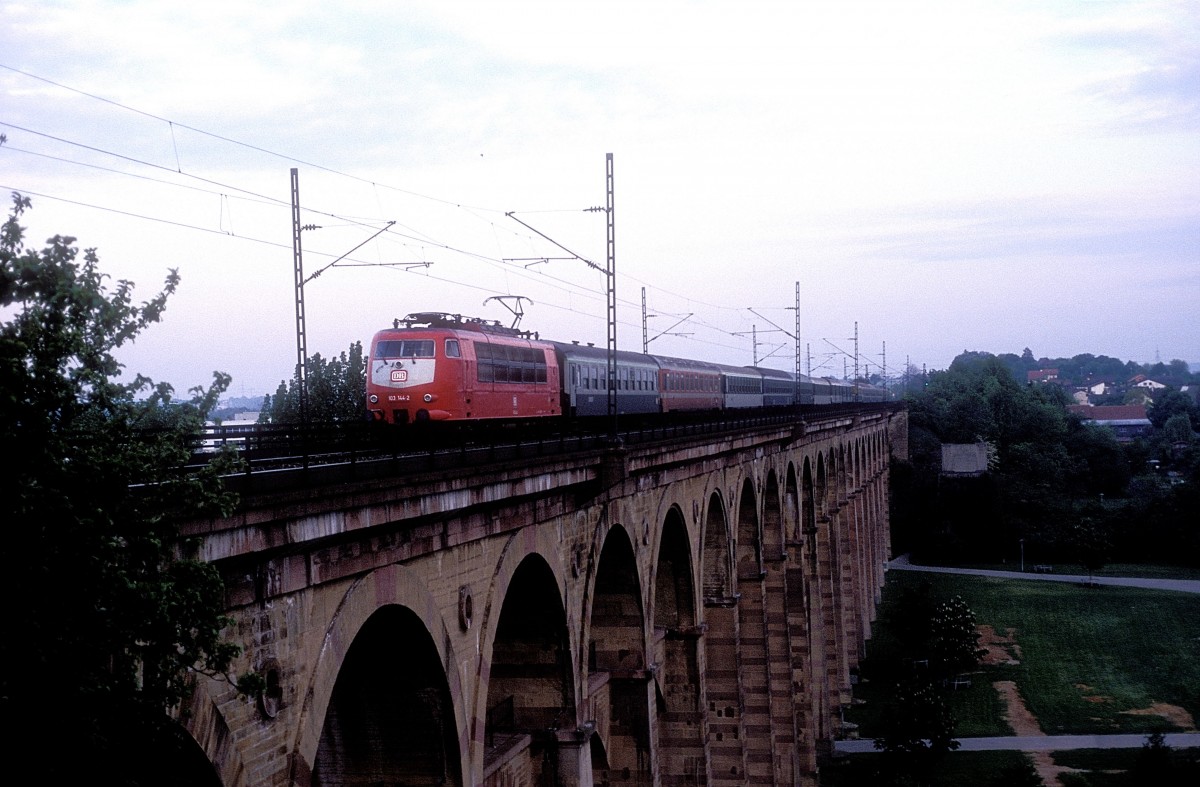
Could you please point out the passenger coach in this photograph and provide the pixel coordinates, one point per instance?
(584, 371)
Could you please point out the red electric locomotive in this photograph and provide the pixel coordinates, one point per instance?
(442, 367)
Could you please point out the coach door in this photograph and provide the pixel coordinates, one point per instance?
(458, 373)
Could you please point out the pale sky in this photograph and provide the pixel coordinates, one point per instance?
(949, 176)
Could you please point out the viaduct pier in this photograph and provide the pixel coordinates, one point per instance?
(681, 612)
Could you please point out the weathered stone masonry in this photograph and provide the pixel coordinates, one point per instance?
(680, 614)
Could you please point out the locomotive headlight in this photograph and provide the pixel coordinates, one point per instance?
(429, 397)
(373, 399)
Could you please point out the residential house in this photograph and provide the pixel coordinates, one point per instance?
(1042, 376)
(1127, 421)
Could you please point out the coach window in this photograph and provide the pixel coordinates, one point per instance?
(452, 348)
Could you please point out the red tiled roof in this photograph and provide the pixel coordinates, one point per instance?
(1118, 412)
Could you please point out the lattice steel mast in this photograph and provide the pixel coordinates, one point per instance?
(298, 267)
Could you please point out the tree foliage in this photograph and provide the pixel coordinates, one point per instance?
(918, 729)
(1047, 466)
(932, 641)
(336, 391)
(1090, 542)
(110, 618)
(938, 634)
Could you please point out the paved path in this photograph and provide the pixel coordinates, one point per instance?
(1182, 585)
(1177, 740)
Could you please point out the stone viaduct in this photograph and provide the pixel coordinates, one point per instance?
(680, 613)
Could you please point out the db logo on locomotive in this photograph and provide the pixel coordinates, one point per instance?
(400, 375)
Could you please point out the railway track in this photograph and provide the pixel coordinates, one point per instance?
(276, 455)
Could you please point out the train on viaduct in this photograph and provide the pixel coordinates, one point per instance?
(675, 612)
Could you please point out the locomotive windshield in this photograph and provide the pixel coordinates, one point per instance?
(407, 348)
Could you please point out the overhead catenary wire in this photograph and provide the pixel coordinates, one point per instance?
(238, 192)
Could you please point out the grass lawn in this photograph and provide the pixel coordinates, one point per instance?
(957, 769)
(1088, 655)
(1107, 767)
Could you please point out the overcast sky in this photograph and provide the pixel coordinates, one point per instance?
(947, 176)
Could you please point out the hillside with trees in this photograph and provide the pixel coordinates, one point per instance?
(1066, 489)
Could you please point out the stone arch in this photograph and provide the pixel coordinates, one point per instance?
(841, 480)
(681, 752)
(389, 585)
(808, 506)
(821, 486)
(716, 577)
(753, 669)
(680, 715)
(749, 535)
(819, 573)
(390, 714)
(860, 462)
(721, 680)
(617, 663)
(209, 729)
(839, 571)
(798, 516)
(776, 600)
(773, 526)
(530, 690)
(674, 601)
(791, 507)
(617, 607)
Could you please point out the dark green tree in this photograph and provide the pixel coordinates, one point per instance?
(336, 391)
(1099, 465)
(110, 618)
(939, 634)
(953, 639)
(929, 642)
(918, 730)
(1090, 543)
(1158, 764)
(1171, 403)
(1022, 775)
(978, 400)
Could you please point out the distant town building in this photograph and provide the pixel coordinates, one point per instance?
(1142, 381)
(1127, 421)
(1042, 376)
(964, 460)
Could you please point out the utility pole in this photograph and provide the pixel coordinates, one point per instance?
(796, 391)
(612, 301)
(301, 341)
(885, 377)
(610, 272)
(856, 394)
(645, 341)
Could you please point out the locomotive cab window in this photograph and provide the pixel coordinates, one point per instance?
(452, 350)
(406, 348)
